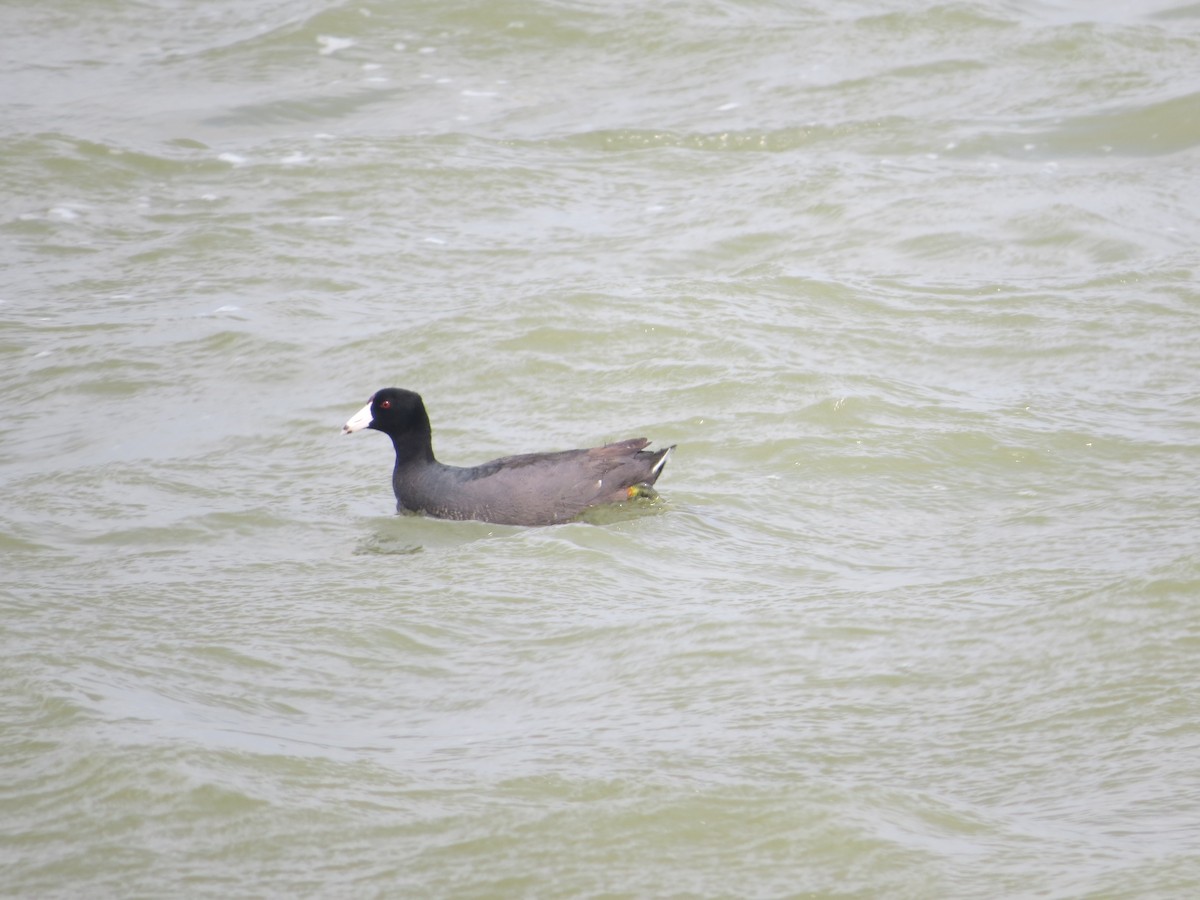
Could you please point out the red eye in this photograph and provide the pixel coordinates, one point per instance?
(385, 404)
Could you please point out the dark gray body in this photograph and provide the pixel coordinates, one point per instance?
(531, 489)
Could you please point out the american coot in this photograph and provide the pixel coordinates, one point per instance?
(531, 489)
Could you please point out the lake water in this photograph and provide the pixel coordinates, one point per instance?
(912, 287)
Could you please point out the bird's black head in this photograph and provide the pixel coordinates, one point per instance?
(398, 413)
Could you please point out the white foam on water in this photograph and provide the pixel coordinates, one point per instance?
(330, 44)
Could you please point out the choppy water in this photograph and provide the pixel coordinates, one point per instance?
(913, 288)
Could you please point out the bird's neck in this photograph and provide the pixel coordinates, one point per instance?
(412, 448)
